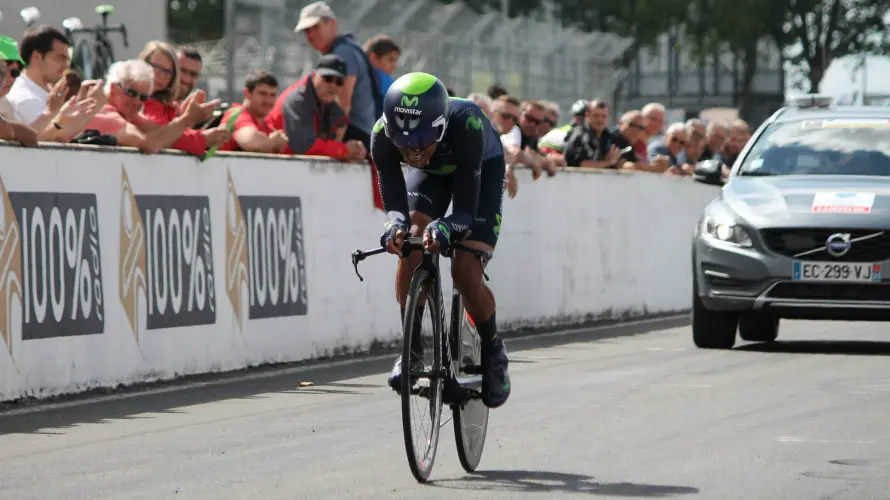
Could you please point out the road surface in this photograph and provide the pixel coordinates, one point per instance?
(621, 412)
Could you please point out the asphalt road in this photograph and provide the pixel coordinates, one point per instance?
(630, 412)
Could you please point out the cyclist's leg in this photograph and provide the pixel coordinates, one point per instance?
(428, 198)
(479, 301)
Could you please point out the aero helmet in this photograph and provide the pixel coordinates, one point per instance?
(415, 111)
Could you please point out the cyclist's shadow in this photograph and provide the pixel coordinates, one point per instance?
(544, 481)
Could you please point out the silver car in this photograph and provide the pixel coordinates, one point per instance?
(801, 227)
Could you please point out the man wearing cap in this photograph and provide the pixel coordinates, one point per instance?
(359, 95)
(10, 64)
(553, 143)
(311, 118)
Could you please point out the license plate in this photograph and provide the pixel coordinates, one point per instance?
(836, 271)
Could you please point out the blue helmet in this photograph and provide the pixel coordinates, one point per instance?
(415, 111)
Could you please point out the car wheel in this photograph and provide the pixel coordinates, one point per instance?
(758, 327)
(712, 329)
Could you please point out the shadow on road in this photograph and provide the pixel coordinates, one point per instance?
(523, 481)
(836, 347)
(326, 381)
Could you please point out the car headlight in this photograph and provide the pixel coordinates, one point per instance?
(725, 229)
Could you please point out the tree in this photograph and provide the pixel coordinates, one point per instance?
(816, 32)
(195, 20)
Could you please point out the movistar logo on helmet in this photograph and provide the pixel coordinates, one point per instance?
(407, 106)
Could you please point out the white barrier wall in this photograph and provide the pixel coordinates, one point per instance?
(118, 267)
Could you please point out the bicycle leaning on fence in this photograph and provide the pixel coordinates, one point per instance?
(454, 364)
(93, 60)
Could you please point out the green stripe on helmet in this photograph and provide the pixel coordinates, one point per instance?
(415, 83)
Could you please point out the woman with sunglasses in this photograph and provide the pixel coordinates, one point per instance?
(456, 156)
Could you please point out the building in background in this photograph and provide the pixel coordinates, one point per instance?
(145, 20)
(670, 76)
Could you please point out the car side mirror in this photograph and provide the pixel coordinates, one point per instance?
(709, 172)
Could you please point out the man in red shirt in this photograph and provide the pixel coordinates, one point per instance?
(251, 132)
(309, 115)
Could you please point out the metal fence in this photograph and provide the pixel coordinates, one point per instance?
(468, 51)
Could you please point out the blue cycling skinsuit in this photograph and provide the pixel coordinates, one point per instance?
(466, 169)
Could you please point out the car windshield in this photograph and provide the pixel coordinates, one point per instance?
(838, 146)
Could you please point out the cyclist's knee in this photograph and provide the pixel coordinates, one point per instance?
(466, 268)
(419, 222)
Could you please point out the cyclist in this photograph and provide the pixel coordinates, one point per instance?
(454, 153)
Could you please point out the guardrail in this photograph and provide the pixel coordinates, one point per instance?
(119, 267)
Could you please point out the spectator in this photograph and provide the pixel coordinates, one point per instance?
(162, 108)
(190, 65)
(654, 114)
(553, 144)
(738, 136)
(10, 128)
(482, 101)
(591, 144)
(37, 94)
(128, 86)
(551, 117)
(311, 117)
(675, 140)
(251, 131)
(506, 120)
(359, 95)
(717, 134)
(496, 90)
(632, 129)
(383, 53)
(696, 133)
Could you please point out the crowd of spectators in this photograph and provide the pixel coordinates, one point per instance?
(151, 103)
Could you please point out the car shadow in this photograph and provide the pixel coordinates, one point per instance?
(833, 347)
(523, 481)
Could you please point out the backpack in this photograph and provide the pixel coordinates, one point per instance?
(348, 39)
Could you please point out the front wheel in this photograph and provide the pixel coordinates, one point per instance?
(421, 377)
(471, 418)
(712, 329)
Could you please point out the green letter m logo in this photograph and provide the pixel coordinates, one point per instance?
(409, 102)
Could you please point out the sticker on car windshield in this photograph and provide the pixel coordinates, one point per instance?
(847, 123)
(843, 203)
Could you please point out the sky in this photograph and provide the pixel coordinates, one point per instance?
(843, 81)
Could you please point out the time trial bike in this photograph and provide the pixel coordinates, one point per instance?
(448, 371)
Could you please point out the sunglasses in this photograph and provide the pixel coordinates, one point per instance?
(531, 119)
(336, 80)
(135, 93)
(13, 72)
(679, 141)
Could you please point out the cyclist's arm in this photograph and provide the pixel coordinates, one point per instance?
(469, 146)
(390, 180)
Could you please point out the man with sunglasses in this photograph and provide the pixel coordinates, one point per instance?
(128, 87)
(457, 158)
(310, 116)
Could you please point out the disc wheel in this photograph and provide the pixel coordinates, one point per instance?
(471, 418)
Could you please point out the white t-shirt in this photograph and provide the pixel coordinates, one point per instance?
(512, 138)
(28, 99)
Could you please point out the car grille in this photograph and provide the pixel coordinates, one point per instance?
(790, 242)
(832, 291)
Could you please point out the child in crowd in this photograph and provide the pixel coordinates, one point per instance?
(384, 55)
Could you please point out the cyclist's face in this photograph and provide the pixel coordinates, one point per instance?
(419, 158)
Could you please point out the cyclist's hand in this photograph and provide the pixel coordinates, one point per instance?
(436, 237)
(394, 237)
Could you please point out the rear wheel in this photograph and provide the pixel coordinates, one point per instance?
(421, 379)
(712, 329)
(758, 327)
(470, 419)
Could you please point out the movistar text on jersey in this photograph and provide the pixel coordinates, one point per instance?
(409, 111)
